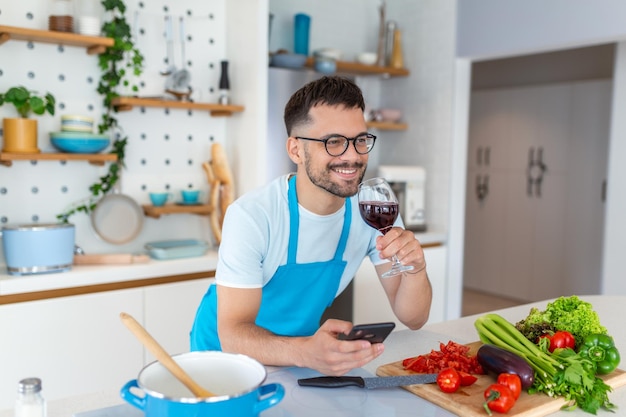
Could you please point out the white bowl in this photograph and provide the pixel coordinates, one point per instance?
(367, 58)
(332, 53)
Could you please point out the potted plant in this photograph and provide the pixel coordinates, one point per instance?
(20, 134)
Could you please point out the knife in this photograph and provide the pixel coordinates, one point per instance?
(369, 383)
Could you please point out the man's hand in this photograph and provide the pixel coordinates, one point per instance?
(404, 245)
(330, 356)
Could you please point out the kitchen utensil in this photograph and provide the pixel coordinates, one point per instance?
(117, 218)
(169, 45)
(174, 249)
(369, 383)
(235, 379)
(162, 356)
(178, 80)
(76, 123)
(38, 248)
(110, 259)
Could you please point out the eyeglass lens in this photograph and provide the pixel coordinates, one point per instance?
(337, 145)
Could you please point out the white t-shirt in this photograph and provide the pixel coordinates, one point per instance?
(256, 236)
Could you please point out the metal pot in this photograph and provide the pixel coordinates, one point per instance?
(235, 379)
(38, 248)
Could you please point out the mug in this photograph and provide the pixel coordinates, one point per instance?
(159, 199)
(236, 380)
(190, 196)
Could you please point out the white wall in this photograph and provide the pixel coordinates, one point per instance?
(488, 29)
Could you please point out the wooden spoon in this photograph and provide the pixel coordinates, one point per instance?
(163, 357)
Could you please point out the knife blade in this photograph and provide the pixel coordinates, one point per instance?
(365, 382)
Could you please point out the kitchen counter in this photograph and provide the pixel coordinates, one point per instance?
(98, 275)
(399, 345)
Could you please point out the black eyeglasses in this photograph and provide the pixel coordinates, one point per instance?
(337, 145)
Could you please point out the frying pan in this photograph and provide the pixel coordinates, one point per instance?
(117, 218)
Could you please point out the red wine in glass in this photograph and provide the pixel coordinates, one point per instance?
(380, 215)
(378, 206)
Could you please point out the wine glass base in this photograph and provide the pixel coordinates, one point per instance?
(397, 269)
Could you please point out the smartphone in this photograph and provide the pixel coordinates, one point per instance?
(373, 332)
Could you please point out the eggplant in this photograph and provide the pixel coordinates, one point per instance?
(496, 360)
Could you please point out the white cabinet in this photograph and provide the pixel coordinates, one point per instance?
(169, 313)
(370, 301)
(547, 148)
(74, 344)
(78, 344)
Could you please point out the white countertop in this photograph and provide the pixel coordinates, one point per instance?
(402, 344)
(83, 275)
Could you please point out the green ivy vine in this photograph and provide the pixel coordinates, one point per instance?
(118, 63)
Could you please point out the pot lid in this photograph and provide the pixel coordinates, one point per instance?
(38, 226)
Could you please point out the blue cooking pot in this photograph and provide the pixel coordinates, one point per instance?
(234, 379)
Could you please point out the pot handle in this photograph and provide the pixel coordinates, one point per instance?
(129, 397)
(273, 394)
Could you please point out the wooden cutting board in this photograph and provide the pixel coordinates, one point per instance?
(468, 401)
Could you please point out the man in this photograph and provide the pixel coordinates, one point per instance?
(289, 248)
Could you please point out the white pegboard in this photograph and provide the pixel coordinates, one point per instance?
(166, 148)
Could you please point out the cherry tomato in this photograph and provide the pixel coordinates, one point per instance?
(562, 339)
(498, 398)
(449, 380)
(512, 381)
(467, 378)
(559, 340)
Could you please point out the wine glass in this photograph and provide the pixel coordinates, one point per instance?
(379, 208)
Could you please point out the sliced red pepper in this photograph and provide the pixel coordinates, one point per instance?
(467, 378)
(449, 380)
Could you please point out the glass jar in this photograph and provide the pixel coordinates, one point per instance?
(61, 16)
(30, 402)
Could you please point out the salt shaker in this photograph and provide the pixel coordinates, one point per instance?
(30, 402)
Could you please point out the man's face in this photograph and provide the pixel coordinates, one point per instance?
(339, 175)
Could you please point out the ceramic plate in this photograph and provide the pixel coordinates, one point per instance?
(117, 219)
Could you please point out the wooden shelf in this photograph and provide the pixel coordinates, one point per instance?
(156, 212)
(355, 68)
(387, 125)
(127, 103)
(95, 44)
(7, 158)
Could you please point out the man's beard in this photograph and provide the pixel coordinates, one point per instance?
(322, 179)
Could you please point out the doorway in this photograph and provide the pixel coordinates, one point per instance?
(536, 173)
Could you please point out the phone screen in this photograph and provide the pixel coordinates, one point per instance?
(373, 332)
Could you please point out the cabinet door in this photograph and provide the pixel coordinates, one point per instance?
(169, 313)
(370, 301)
(76, 345)
(488, 131)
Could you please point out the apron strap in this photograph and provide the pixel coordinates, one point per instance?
(294, 225)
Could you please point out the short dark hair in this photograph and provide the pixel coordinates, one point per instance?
(328, 90)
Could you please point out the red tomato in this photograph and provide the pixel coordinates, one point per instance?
(561, 340)
(498, 398)
(449, 380)
(512, 381)
(450, 355)
(467, 378)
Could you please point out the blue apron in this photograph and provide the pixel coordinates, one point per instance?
(293, 301)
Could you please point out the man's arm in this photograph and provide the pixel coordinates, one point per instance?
(410, 293)
(237, 311)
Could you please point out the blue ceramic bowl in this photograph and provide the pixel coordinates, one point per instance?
(79, 142)
(288, 60)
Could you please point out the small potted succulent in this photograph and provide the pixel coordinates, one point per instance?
(20, 134)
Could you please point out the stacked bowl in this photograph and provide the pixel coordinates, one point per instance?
(76, 136)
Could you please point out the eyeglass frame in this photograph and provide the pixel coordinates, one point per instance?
(325, 141)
